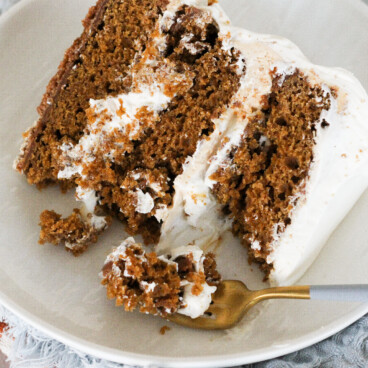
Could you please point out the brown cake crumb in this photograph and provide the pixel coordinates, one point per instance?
(267, 172)
(74, 231)
(163, 329)
(153, 284)
(212, 275)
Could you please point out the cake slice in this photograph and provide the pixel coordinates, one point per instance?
(96, 65)
(131, 101)
(183, 127)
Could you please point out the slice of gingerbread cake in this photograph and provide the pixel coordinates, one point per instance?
(165, 116)
(133, 98)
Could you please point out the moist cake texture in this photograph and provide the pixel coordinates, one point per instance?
(182, 126)
(266, 172)
(180, 282)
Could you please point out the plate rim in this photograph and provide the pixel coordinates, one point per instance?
(121, 356)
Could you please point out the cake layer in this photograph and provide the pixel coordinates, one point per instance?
(264, 177)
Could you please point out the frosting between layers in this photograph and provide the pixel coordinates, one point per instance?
(115, 122)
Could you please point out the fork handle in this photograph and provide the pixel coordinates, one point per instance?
(348, 293)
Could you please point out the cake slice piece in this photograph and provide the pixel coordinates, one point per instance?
(133, 99)
(96, 65)
(180, 282)
(293, 169)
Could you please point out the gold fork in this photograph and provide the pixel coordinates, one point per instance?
(233, 299)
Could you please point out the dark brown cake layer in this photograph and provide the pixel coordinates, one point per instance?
(269, 169)
(94, 66)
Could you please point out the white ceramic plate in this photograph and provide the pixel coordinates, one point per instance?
(60, 294)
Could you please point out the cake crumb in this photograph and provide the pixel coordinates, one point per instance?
(163, 329)
(74, 231)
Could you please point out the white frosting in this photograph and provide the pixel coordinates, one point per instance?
(145, 202)
(90, 200)
(195, 217)
(194, 306)
(148, 286)
(109, 119)
(108, 113)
